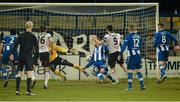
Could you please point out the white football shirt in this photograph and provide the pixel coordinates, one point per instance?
(113, 41)
(43, 41)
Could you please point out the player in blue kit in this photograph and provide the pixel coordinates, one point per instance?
(162, 43)
(8, 43)
(133, 43)
(98, 60)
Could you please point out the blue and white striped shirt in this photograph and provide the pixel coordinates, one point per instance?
(100, 53)
(162, 40)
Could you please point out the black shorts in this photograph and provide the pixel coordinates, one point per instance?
(61, 61)
(113, 58)
(44, 57)
(27, 61)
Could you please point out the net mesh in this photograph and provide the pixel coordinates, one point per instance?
(70, 21)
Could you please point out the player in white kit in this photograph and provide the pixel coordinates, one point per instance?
(113, 41)
(44, 40)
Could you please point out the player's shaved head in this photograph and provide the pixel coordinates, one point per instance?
(29, 25)
(131, 28)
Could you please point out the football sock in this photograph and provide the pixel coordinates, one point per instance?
(33, 75)
(162, 70)
(18, 82)
(5, 74)
(46, 78)
(78, 67)
(29, 85)
(140, 77)
(58, 73)
(109, 77)
(114, 75)
(130, 76)
(100, 76)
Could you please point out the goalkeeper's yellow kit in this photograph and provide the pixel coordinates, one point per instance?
(53, 52)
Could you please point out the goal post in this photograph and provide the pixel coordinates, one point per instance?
(74, 23)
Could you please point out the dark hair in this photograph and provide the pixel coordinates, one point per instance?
(109, 28)
(50, 32)
(161, 24)
(42, 28)
(13, 31)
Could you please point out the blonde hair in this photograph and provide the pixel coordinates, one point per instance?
(28, 24)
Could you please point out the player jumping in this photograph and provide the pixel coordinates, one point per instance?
(56, 60)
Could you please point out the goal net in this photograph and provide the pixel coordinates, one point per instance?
(73, 24)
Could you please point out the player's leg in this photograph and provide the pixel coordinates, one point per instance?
(44, 57)
(33, 77)
(6, 71)
(130, 69)
(111, 62)
(19, 75)
(29, 69)
(67, 63)
(137, 65)
(53, 65)
(5, 68)
(120, 60)
(162, 59)
(108, 76)
(140, 77)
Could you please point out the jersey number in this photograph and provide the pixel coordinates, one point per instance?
(41, 39)
(115, 41)
(12, 40)
(163, 39)
(136, 42)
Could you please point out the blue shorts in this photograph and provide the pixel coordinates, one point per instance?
(163, 56)
(134, 62)
(100, 64)
(5, 58)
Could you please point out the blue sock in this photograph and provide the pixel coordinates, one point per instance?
(100, 76)
(130, 76)
(5, 73)
(162, 70)
(140, 77)
(109, 76)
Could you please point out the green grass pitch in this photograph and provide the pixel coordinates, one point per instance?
(89, 90)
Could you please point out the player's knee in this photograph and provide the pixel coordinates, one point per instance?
(130, 71)
(29, 74)
(20, 74)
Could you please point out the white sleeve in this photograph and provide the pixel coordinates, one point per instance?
(106, 37)
(48, 35)
(120, 36)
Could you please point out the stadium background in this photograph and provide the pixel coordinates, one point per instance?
(73, 25)
(91, 91)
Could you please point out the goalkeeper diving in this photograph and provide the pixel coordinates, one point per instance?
(56, 60)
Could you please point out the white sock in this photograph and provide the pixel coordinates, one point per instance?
(33, 75)
(114, 75)
(46, 78)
